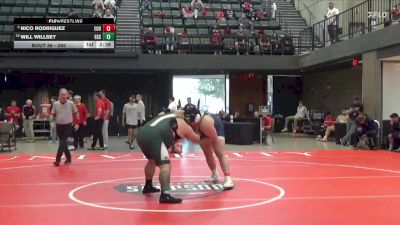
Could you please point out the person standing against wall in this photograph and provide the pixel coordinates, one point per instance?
(81, 122)
(13, 114)
(130, 119)
(98, 124)
(106, 118)
(63, 113)
(333, 22)
(29, 114)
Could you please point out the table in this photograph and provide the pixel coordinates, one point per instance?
(256, 121)
(240, 133)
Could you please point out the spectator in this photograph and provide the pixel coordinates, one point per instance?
(81, 122)
(146, 5)
(198, 6)
(118, 4)
(98, 4)
(274, 8)
(241, 42)
(108, 14)
(264, 44)
(29, 114)
(246, 6)
(366, 132)
(98, 14)
(169, 32)
(266, 125)
(130, 120)
(72, 14)
(13, 114)
(71, 95)
(159, 14)
(189, 104)
(327, 128)
(106, 116)
(256, 115)
(216, 40)
(98, 124)
(187, 12)
(229, 13)
(236, 116)
(261, 15)
(223, 115)
(394, 133)
(110, 4)
(63, 112)
(252, 15)
(53, 132)
(395, 14)
(227, 31)
(172, 107)
(351, 128)
(245, 23)
(205, 11)
(220, 15)
(274, 45)
(149, 41)
(141, 109)
(332, 21)
(343, 118)
(183, 42)
(300, 114)
(286, 45)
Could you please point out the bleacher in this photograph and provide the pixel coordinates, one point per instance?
(11, 9)
(199, 29)
(201, 25)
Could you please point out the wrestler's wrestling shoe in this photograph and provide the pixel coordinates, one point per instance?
(213, 178)
(167, 198)
(228, 183)
(147, 189)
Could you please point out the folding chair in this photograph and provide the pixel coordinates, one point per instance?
(267, 133)
(7, 136)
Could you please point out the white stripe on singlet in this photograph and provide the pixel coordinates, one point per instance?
(161, 119)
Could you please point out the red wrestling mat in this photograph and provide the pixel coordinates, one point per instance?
(298, 187)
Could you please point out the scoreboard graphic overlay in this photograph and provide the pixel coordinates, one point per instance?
(56, 33)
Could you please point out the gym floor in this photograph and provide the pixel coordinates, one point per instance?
(295, 181)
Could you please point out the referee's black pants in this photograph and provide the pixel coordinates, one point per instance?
(63, 133)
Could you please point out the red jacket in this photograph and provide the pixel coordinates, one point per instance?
(83, 112)
(329, 121)
(247, 5)
(13, 111)
(267, 121)
(107, 107)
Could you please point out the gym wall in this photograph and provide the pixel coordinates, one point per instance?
(332, 90)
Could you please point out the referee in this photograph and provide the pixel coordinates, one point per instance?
(62, 112)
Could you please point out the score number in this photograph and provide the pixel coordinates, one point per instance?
(108, 27)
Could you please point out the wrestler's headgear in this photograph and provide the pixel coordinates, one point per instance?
(191, 114)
